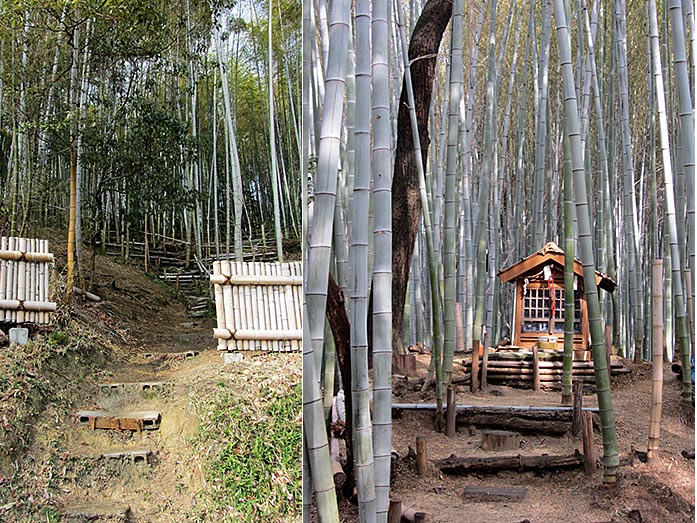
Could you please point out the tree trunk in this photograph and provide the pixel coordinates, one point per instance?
(406, 203)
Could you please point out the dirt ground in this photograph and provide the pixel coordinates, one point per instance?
(662, 493)
(137, 315)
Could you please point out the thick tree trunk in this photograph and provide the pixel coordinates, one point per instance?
(406, 203)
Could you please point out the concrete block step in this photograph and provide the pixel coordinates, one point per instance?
(136, 421)
(185, 354)
(105, 513)
(138, 456)
(140, 386)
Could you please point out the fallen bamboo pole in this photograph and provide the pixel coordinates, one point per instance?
(90, 296)
(511, 408)
(462, 466)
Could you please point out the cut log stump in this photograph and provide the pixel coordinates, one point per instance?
(404, 364)
(500, 440)
(494, 494)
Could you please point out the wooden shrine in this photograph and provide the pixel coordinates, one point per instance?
(24, 275)
(258, 306)
(536, 319)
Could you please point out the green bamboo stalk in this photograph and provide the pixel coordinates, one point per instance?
(630, 212)
(278, 235)
(678, 300)
(602, 375)
(382, 268)
(358, 287)
(484, 185)
(319, 253)
(687, 124)
(541, 133)
(569, 241)
(450, 216)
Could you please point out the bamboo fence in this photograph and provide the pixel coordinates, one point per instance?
(24, 271)
(258, 306)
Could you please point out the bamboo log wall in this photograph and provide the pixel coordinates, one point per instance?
(24, 271)
(258, 305)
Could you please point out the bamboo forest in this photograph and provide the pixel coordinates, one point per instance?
(150, 258)
(499, 253)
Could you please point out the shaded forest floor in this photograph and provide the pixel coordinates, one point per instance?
(663, 492)
(44, 472)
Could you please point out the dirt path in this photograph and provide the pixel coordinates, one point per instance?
(662, 493)
(67, 478)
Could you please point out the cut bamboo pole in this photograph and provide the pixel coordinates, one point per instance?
(22, 281)
(219, 305)
(256, 279)
(451, 413)
(3, 275)
(229, 311)
(256, 334)
(485, 356)
(657, 384)
(25, 253)
(578, 407)
(27, 306)
(535, 368)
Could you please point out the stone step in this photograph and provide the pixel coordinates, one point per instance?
(133, 455)
(141, 386)
(137, 421)
(103, 512)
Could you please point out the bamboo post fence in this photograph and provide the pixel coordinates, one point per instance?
(24, 290)
(258, 306)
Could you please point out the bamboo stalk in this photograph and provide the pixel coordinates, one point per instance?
(229, 311)
(657, 374)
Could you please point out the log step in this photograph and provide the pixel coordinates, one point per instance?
(494, 494)
(136, 421)
(463, 466)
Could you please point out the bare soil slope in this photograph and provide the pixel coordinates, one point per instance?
(52, 470)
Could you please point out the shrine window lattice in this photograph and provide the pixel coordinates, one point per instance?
(536, 311)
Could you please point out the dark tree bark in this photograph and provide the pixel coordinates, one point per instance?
(341, 331)
(406, 203)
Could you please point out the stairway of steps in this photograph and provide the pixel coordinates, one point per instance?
(116, 450)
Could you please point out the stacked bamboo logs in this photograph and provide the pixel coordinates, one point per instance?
(24, 271)
(503, 370)
(258, 305)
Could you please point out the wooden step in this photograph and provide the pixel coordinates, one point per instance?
(135, 421)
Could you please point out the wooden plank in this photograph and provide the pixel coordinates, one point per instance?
(494, 494)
